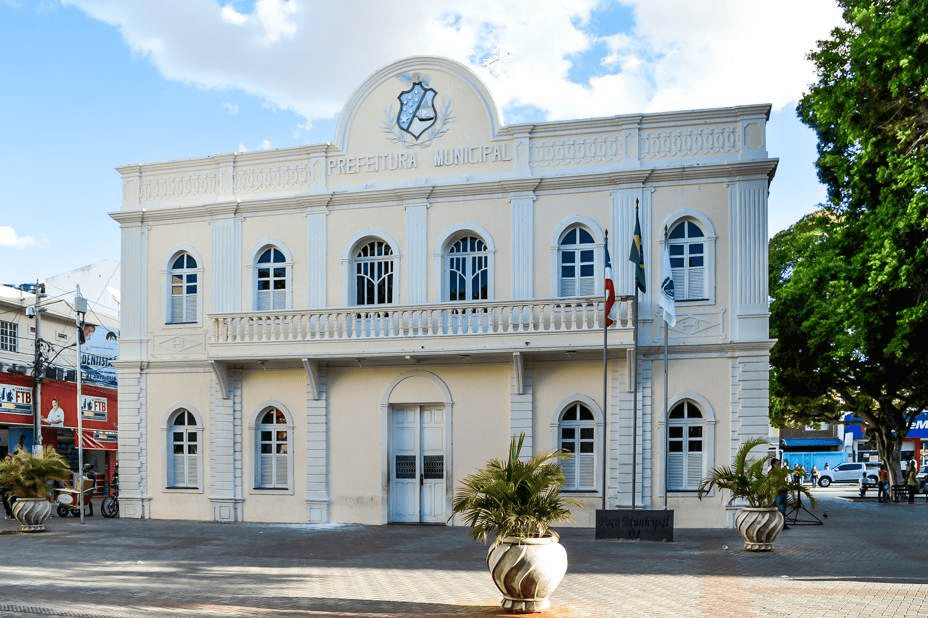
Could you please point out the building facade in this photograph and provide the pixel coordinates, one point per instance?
(342, 332)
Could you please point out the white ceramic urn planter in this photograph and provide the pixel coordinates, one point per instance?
(526, 571)
(31, 513)
(759, 527)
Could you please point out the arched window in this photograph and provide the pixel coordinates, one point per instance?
(577, 436)
(374, 266)
(468, 269)
(686, 442)
(184, 290)
(183, 451)
(687, 246)
(271, 282)
(576, 259)
(273, 446)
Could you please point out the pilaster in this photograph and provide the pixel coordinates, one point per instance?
(318, 500)
(523, 258)
(416, 253)
(225, 451)
(226, 265)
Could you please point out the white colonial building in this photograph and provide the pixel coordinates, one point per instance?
(342, 332)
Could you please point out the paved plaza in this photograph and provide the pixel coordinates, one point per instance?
(867, 559)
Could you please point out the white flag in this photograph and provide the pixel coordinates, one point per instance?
(666, 297)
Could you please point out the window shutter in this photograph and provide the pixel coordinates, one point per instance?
(679, 284)
(587, 286)
(280, 471)
(693, 470)
(586, 478)
(192, 471)
(176, 470)
(279, 299)
(568, 286)
(696, 284)
(265, 470)
(569, 466)
(675, 471)
(177, 308)
(190, 313)
(264, 300)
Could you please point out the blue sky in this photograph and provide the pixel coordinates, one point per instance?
(90, 85)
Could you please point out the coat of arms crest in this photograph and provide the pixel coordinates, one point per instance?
(417, 109)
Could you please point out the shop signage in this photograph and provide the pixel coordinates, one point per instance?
(16, 399)
(93, 408)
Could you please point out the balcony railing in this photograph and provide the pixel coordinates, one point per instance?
(559, 315)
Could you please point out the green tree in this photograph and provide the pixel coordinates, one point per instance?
(850, 282)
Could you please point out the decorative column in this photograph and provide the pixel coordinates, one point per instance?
(748, 206)
(523, 236)
(316, 221)
(521, 413)
(226, 264)
(416, 278)
(317, 445)
(224, 430)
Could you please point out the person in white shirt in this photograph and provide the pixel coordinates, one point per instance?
(55, 416)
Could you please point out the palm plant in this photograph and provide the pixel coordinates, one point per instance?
(748, 480)
(25, 475)
(514, 498)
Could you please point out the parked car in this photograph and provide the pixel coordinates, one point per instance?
(850, 472)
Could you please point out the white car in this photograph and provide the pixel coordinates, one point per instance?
(850, 472)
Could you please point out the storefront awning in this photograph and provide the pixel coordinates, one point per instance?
(99, 440)
(807, 443)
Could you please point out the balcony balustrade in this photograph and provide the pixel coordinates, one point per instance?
(487, 326)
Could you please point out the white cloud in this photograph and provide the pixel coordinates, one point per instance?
(9, 238)
(308, 56)
(231, 108)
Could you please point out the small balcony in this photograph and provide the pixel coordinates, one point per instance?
(474, 328)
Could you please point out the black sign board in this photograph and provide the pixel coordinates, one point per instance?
(634, 525)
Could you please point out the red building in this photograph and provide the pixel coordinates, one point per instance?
(99, 421)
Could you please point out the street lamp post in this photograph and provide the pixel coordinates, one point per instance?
(80, 307)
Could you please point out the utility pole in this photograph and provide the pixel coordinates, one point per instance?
(38, 368)
(80, 308)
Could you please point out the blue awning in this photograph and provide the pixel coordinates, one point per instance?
(805, 443)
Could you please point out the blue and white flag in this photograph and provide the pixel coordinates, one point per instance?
(666, 297)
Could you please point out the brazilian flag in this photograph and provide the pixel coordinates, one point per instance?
(636, 256)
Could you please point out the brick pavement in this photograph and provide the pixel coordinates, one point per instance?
(868, 559)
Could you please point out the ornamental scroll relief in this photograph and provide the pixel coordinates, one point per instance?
(273, 178)
(688, 143)
(578, 151)
(180, 187)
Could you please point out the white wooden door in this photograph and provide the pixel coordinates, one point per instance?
(417, 464)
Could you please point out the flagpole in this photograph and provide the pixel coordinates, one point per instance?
(667, 299)
(635, 397)
(638, 267)
(666, 414)
(605, 379)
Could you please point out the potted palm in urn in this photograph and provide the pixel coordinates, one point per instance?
(759, 521)
(516, 502)
(26, 477)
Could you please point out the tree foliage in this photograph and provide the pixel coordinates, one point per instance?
(850, 282)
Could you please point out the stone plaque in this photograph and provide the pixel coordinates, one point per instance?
(634, 525)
